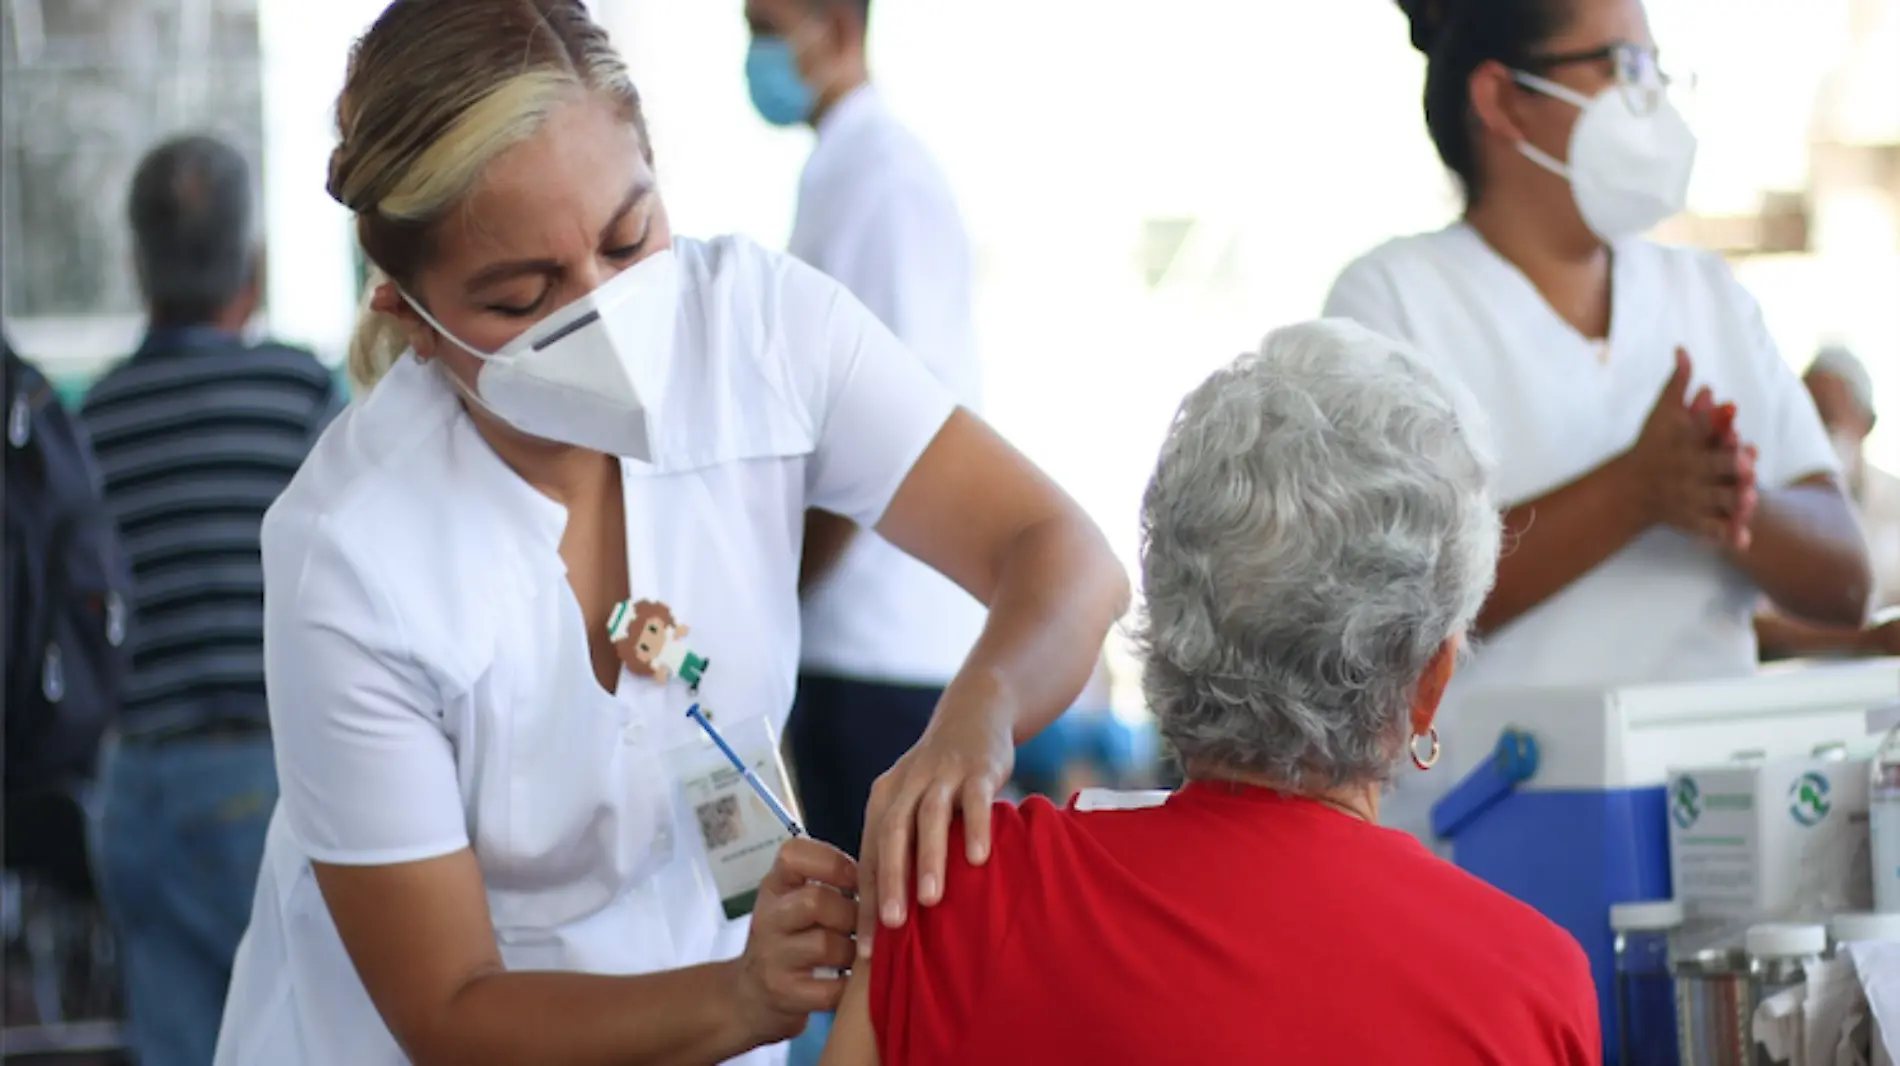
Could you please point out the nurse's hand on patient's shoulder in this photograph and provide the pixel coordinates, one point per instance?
(961, 763)
(1690, 470)
(802, 922)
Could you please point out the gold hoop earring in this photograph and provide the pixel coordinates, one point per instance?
(1429, 759)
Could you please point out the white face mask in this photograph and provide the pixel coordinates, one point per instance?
(1627, 170)
(591, 374)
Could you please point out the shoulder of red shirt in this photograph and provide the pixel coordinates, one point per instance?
(935, 957)
(1574, 994)
(1568, 991)
(932, 956)
(1553, 970)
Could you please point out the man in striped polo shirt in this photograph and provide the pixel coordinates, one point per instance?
(196, 434)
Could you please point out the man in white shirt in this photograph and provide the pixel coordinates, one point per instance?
(883, 634)
(1844, 395)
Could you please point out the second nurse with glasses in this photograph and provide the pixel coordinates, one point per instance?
(1661, 466)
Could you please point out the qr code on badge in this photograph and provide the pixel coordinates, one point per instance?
(719, 821)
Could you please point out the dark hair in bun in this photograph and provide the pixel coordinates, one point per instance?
(1459, 36)
(1426, 17)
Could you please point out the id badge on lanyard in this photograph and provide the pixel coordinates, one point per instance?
(730, 775)
(732, 778)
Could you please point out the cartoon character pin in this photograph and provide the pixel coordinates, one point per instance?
(653, 644)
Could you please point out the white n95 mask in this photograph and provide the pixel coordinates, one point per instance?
(593, 373)
(1628, 170)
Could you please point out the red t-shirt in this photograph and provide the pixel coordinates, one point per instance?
(1229, 925)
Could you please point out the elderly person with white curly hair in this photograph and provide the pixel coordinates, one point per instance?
(1319, 535)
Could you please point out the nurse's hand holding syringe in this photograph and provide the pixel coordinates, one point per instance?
(800, 941)
(803, 924)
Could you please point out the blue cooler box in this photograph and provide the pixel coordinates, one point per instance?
(1559, 793)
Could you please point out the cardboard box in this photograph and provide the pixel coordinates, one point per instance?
(1770, 838)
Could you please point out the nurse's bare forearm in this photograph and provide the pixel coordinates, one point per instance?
(1059, 588)
(679, 1018)
(423, 943)
(1784, 637)
(826, 537)
(1806, 554)
(1553, 540)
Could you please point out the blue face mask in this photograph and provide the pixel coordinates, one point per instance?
(778, 90)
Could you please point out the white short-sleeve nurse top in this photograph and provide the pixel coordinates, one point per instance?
(430, 684)
(1560, 405)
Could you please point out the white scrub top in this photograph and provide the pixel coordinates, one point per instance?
(1562, 404)
(1878, 498)
(428, 669)
(875, 212)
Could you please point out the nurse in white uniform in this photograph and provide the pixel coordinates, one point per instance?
(500, 838)
(883, 633)
(1643, 529)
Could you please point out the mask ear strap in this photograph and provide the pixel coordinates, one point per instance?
(1556, 92)
(416, 306)
(469, 394)
(1550, 88)
(462, 389)
(1544, 159)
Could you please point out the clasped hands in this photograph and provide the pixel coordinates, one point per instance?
(1693, 471)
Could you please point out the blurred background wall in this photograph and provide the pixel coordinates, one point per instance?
(1150, 188)
(85, 88)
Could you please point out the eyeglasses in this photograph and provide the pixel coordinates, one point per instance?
(1638, 69)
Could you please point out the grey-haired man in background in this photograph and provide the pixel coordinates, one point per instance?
(196, 433)
(1843, 392)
